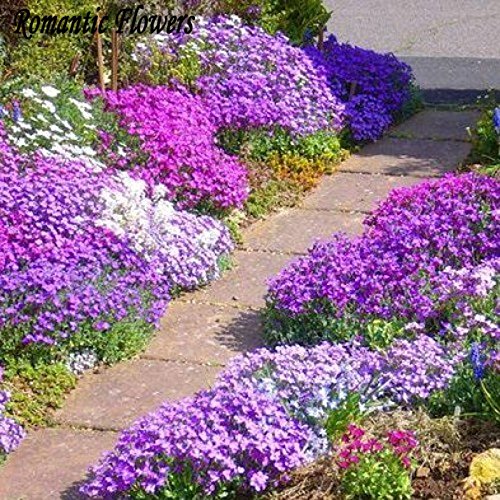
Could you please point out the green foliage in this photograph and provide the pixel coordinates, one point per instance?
(298, 19)
(412, 106)
(281, 167)
(469, 396)
(260, 145)
(122, 341)
(36, 390)
(182, 486)
(381, 333)
(339, 419)
(319, 323)
(45, 56)
(184, 68)
(379, 476)
(486, 143)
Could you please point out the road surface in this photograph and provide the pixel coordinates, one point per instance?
(452, 45)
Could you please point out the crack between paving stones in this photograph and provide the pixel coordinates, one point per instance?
(336, 210)
(241, 307)
(403, 137)
(82, 428)
(429, 175)
(182, 361)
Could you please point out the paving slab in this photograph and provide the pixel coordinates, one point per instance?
(414, 158)
(354, 191)
(117, 396)
(50, 463)
(206, 333)
(246, 284)
(297, 230)
(440, 125)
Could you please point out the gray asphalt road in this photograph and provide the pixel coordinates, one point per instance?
(453, 45)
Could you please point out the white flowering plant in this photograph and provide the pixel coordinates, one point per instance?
(54, 120)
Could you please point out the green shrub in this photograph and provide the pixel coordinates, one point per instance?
(45, 56)
(486, 143)
(36, 390)
(379, 476)
(296, 18)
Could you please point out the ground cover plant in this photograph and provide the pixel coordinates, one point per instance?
(426, 261)
(375, 88)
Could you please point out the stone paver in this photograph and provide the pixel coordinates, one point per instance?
(417, 158)
(296, 230)
(50, 463)
(354, 191)
(206, 333)
(114, 398)
(441, 125)
(245, 285)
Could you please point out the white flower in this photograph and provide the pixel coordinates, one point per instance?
(56, 129)
(87, 150)
(41, 118)
(28, 93)
(50, 91)
(49, 106)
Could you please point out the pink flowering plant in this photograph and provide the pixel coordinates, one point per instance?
(175, 146)
(372, 468)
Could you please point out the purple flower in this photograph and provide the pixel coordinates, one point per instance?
(477, 360)
(496, 120)
(426, 253)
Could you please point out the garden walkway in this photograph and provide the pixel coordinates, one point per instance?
(203, 330)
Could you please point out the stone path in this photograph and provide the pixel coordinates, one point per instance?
(204, 329)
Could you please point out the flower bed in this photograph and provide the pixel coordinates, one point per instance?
(250, 78)
(426, 260)
(177, 148)
(89, 256)
(265, 416)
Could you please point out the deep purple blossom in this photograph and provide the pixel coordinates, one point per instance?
(374, 87)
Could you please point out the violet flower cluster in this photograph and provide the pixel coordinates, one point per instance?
(426, 252)
(251, 79)
(177, 147)
(265, 416)
(11, 433)
(374, 87)
(311, 381)
(85, 249)
(221, 437)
